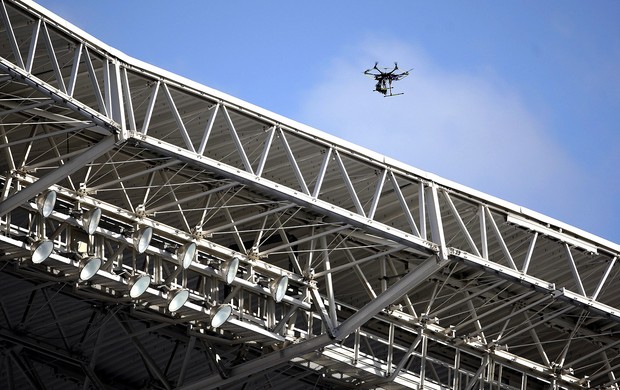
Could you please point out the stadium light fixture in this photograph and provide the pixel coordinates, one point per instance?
(89, 267)
(142, 238)
(221, 314)
(278, 287)
(177, 298)
(46, 202)
(90, 220)
(138, 285)
(41, 250)
(186, 254)
(228, 270)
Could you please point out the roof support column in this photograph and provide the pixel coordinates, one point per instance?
(434, 213)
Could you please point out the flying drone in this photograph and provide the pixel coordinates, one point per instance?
(385, 77)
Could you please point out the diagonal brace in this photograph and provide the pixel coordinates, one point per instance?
(274, 359)
(53, 177)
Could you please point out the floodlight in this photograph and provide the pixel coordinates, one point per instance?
(220, 315)
(187, 254)
(90, 220)
(89, 267)
(176, 299)
(228, 270)
(45, 202)
(138, 285)
(278, 287)
(41, 250)
(142, 238)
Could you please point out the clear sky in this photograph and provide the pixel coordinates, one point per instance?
(518, 99)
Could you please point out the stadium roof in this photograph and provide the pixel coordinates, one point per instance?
(389, 276)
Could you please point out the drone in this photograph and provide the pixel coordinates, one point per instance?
(385, 77)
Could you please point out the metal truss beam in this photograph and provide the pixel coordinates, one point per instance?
(53, 354)
(298, 198)
(539, 285)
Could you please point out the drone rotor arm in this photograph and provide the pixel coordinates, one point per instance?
(372, 75)
(402, 75)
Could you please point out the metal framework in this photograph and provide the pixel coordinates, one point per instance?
(396, 278)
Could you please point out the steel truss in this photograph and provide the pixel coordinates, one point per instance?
(397, 278)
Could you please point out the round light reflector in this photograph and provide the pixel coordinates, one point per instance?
(228, 272)
(187, 254)
(90, 220)
(45, 202)
(89, 267)
(142, 238)
(177, 300)
(278, 287)
(138, 285)
(41, 250)
(221, 315)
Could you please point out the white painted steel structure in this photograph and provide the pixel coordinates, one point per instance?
(396, 278)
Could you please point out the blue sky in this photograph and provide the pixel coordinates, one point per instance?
(518, 99)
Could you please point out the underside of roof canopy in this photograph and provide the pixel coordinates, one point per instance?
(317, 263)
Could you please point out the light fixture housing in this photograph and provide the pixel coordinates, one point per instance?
(278, 287)
(41, 250)
(176, 299)
(221, 314)
(45, 202)
(142, 238)
(228, 270)
(89, 267)
(90, 220)
(138, 285)
(186, 254)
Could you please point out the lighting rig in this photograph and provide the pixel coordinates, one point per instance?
(113, 256)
